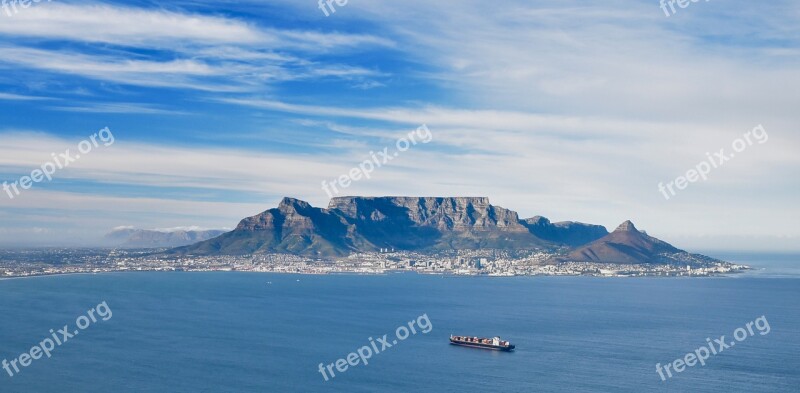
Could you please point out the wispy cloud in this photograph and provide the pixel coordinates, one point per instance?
(21, 97)
(129, 26)
(159, 48)
(144, 27)
(126, 107)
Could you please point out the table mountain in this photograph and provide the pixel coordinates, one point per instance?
(353, 224)
(413, 223)
(368, 224)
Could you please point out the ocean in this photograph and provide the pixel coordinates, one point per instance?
(258, 332)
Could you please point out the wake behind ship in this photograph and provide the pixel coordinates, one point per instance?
(494, 343)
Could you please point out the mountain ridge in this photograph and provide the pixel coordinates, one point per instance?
(353, 224)
(129, 237)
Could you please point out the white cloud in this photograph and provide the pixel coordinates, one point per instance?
(126, 25)
(184, 50)
(142, 27)
(21, 97)
(542, 175)
(117, 107)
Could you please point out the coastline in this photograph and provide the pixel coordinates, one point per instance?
(737, 274)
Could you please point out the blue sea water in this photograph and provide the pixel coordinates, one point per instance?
(251, 332)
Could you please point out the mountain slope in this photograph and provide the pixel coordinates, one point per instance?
(568, 232)
(145, 238)
(625, 245)
(353, 224)
(295, 227)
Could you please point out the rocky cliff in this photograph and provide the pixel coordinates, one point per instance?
(567, 232)
(351, 224)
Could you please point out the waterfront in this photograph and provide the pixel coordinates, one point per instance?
(497, 263)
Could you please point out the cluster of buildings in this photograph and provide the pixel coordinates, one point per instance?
(501, 263)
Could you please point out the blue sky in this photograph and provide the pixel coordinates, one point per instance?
(575, 110)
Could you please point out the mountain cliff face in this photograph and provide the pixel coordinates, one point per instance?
(625, 245)
(352, 224)
(568, 232)
(444, 214)
(295, 227)
(409, 223)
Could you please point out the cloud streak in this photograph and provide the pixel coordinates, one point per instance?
(168, 49)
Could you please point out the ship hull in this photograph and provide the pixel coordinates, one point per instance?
(484, 346)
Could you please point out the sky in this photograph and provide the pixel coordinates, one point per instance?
(572, 110)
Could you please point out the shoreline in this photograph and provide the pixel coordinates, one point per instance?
(738, 274)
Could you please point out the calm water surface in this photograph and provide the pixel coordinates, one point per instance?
(248, 332)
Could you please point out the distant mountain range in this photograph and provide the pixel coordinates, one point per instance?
(128, 237)
(369, 224)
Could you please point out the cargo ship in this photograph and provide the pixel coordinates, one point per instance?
(494, 343)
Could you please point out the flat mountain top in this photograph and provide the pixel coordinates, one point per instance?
(359, 224)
